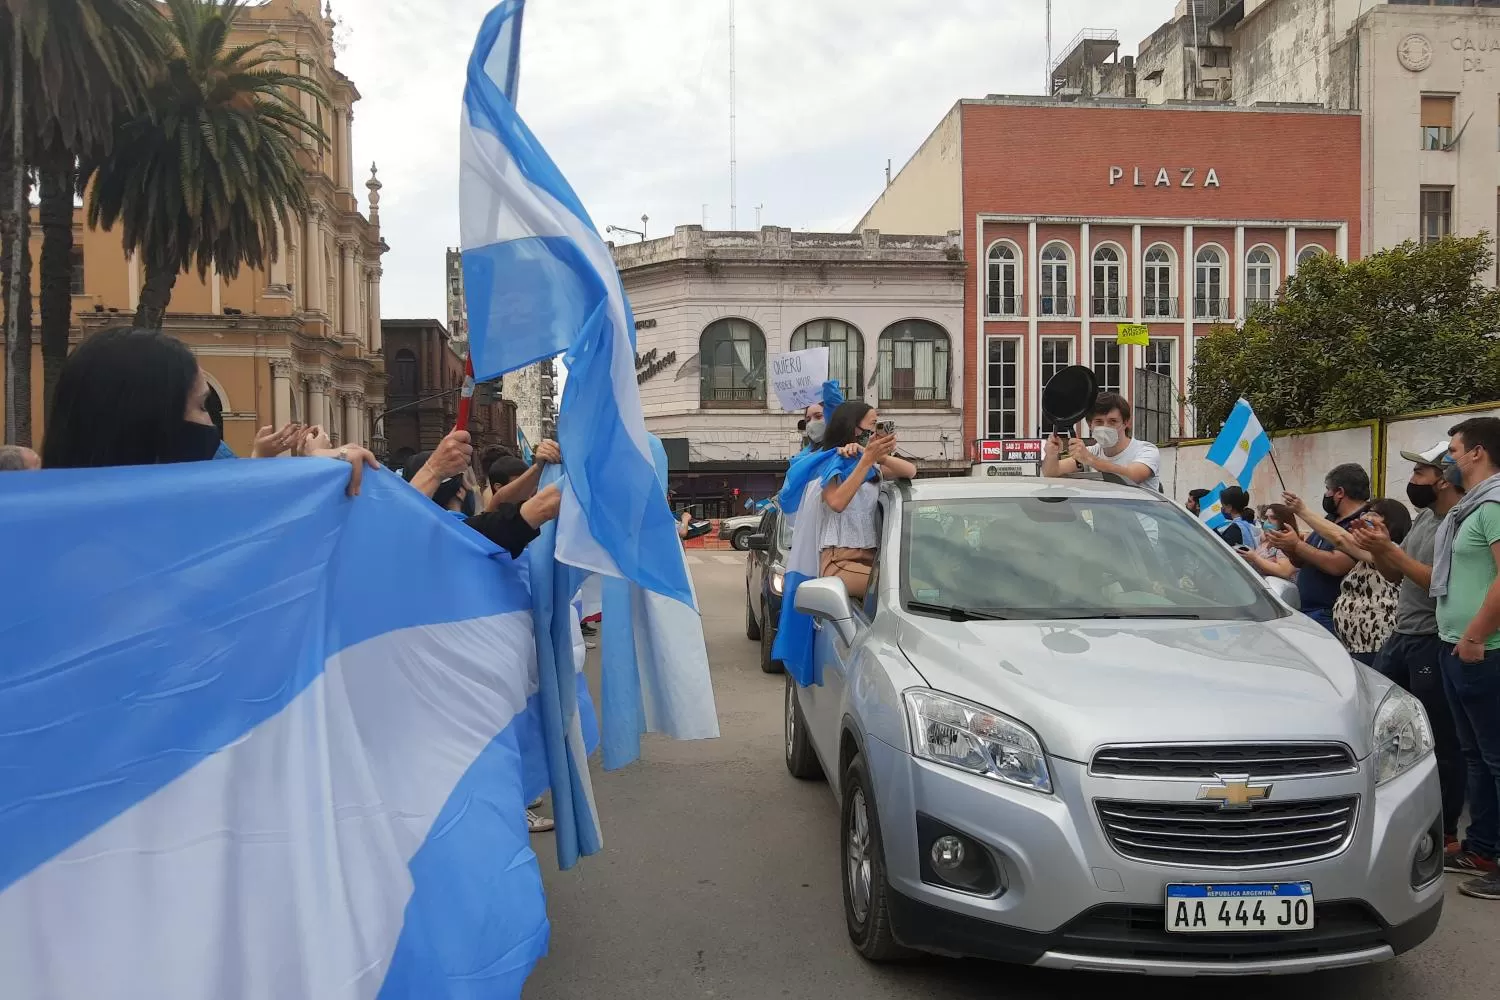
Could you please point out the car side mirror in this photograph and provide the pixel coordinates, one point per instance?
(1285, 591)
(826, 599)
(759, 543)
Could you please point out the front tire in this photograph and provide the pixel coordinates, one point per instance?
(741, 540)
(752, 627)
(801, 761)
(866, 890)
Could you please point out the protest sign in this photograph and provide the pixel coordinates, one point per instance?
(1132, 333)
(798, 377)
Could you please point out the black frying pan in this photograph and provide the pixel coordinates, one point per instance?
(1068, 398)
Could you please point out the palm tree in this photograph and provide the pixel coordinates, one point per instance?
(75, 65)
(208, 173)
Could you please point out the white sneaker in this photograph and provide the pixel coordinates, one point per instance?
(537, 823)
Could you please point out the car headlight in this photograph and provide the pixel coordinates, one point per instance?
(778, 581)
(972, 738)
(1401, 735)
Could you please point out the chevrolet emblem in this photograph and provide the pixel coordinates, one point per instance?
(1234, 792)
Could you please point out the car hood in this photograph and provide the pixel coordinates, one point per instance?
(1082, 685)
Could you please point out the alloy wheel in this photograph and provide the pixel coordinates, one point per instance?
(857, 851)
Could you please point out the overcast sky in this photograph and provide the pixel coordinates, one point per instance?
(631, 98)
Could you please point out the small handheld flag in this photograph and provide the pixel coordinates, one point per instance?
(1241, 445)
(1211, 508)
(527, 455)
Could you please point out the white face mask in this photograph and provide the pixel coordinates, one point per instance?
(1106, 437)
(814, 431)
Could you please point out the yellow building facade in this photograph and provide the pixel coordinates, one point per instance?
(299, 340)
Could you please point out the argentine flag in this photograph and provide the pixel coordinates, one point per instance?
(540, 282)
(1211, 508)
(1241, 445)
(262, 740)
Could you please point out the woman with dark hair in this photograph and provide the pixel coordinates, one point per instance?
(847, 539)
(1267, 559)
(138, 397)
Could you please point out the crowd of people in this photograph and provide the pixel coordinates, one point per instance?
(1417, 599)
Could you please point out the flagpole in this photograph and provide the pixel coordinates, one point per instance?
(1272, 455)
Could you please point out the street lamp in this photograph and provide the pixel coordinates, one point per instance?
(641, 232)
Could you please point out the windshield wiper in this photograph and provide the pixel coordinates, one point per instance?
(1115, 616)
(955, 614)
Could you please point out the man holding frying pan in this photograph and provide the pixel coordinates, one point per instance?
(1113, 452)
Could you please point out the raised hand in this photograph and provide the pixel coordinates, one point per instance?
(270, 442)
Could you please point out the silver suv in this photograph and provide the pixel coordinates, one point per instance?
(1070, 728)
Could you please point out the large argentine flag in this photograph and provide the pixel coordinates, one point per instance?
(539, 282)
(260, 740)
(1241, 445)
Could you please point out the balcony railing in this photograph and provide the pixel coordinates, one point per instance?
(1210, 308)
(1160, 307)
(734, 398)
(1254, 302)
(1003, 305)
(1112, 306)
(1057, 305)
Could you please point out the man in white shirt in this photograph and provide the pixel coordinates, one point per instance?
(1113, 452)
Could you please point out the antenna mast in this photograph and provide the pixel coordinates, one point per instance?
(733, 161)
(1047, 87)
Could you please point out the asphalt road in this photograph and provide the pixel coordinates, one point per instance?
(719, 879)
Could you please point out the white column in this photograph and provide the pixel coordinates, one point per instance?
(1137, 276)
(320, 411)
(1033, 343)
(350, 312)
(1291, 250)
(346, 138)
(1189, 348)
(376, 339)
(1343, 241)
(981, 431)
(1237, 300)
(312, 255)
(215, 289)
(352, 425)
(336, 144)
(1085, 292)
(133, 267)
(281, 393)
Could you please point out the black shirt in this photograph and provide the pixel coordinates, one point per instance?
(505, 527)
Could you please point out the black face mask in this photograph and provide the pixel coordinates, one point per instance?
(1331, 506)
(865, 436)
(194, 442)
(1421, 495)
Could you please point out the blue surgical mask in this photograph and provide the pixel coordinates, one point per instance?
(1454, 475)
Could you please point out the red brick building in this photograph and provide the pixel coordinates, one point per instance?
(1079, 217)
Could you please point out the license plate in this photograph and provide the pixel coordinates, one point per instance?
(1248, 908)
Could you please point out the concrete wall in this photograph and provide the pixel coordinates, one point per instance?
(926, 197)
(1418, 433)
(1281, 52)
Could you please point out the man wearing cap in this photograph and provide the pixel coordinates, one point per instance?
(1411, 656)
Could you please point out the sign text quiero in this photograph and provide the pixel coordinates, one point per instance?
(798, 377)
(1177, 177)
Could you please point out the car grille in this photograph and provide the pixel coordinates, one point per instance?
(1202, 835)
(1259, 760)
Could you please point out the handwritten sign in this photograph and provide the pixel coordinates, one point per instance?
(1132, 333)
(798, 377)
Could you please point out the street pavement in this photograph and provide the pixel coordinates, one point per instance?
(719, 878)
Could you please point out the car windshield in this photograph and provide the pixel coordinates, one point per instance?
(1069, 557)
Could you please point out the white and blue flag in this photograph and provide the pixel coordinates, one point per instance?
(1241, 445)
(539, 282)
(1211, 508)
(262, 740)
(527, 455)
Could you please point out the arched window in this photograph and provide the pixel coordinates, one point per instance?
(846, 351)
(1004, 287)
(1160, 301)
(404, 373)
(1209, 301)
(1104, 293)
(733, 363)
(1307, 253)
(1057, 281)
(1260, 277)
(913, 368)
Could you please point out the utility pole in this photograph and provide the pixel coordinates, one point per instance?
(734, 220)
(1047, 87)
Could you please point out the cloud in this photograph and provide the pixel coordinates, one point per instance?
(631, 98)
